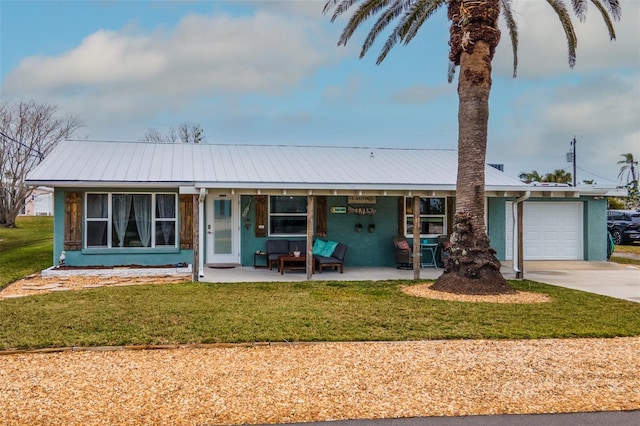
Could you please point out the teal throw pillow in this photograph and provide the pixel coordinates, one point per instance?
(329, 247)
(318, 247)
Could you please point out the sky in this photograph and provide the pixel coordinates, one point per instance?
(271, 72)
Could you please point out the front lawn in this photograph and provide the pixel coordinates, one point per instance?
(26, 249)
(287, 312)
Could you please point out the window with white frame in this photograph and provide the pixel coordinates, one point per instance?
(287, 215)
(433, 216)
(130, 220)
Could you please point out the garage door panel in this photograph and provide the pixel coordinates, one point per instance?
(552, 231)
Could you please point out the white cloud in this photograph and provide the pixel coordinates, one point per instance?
(307, 8)
(128, 73)
(542, 49)
(600, 112)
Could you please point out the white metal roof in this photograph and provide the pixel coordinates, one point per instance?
(90, 163)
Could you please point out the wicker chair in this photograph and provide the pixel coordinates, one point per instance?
(404, 254)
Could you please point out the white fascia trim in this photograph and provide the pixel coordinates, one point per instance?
(104, 184)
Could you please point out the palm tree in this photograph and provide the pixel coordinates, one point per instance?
(628, 168)
(558, 176)
(534, 176)
(473, 36)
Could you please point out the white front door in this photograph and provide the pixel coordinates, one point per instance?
(223, 229)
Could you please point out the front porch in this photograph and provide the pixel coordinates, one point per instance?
(250, 274)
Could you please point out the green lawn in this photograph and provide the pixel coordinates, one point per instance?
(307, 311)
(276, 312)
(26, 249)
(626, 248)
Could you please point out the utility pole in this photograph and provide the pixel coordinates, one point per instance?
(571, 158)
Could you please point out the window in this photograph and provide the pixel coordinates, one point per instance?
(287, 215)
(131, 220)
(432, 216)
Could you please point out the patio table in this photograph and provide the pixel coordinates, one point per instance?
(290, 262)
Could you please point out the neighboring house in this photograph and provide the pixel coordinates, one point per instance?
(39, 203)
(155, 204)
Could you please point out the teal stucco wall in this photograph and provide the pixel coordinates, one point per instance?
(496, 225)
(112, 257)
(365, 248)
(595, 229)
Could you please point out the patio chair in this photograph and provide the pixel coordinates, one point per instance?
(336, 260)
(404, 254)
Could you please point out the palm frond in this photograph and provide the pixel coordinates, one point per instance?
(507, 12)
(364, 12)
(415, 15)
(342, 6)
(423, 11)
(614, 8)
(565, 20)
(390, 14)
(607, 18)
(580, 9)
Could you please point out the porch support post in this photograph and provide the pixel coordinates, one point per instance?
(417, 253)
(195, 236)
(518, 240)
(309, 248)
(203, 195)
(520, 219)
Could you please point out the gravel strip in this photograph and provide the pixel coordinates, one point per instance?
(37, 284)
(313, 382)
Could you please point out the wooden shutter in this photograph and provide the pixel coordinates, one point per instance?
(401, 215)
(186, 222)
(261, 216)
(73, 220)
(321, 216)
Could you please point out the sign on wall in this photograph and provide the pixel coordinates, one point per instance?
(362, 199)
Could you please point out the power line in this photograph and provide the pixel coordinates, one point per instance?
(599, 177)
(30, 148)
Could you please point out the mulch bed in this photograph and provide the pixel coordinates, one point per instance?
(320, 382)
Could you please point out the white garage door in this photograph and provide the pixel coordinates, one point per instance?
(552, 231)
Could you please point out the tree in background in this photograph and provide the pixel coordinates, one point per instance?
(472, 266)
(629, 168)
(186, 132)
(558, 176)
(533, 176)
(28, 132)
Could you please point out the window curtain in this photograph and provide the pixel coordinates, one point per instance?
(98, 207)
(142, 213)
(166, 210)
(121, 210)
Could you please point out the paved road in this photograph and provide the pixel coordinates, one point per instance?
(608, 418)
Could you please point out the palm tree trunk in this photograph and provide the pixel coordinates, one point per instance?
(472, 267)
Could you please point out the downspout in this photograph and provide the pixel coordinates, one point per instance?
(515, 242)
(203, 195)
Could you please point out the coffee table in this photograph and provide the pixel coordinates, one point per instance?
(291, 263)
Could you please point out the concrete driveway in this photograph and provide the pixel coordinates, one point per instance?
(605, 278)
